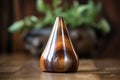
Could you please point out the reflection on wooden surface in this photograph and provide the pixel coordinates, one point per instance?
(24, 67)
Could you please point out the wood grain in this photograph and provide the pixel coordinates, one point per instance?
(59, 54)
(24, 67)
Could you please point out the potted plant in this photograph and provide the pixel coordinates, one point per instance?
(83, 21)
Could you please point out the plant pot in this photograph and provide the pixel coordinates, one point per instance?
(83, 39)
(35, 40)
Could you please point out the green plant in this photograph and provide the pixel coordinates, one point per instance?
(75, 16)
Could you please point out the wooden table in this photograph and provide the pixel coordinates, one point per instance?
(24, 67)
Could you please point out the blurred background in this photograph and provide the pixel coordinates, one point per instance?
(88, 41)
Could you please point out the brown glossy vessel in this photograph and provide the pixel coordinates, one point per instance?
(59, 54)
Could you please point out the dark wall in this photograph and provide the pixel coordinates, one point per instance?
(6, 18)
(111, 10)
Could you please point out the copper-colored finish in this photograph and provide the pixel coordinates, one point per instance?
(59, 54)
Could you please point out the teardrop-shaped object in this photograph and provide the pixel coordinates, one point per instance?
(59, 54)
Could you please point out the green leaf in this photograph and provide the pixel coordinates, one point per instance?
(41, 6)
(56, 3)
(76, 4)
(48, 18)
(91, 10)
(34, 19)
(82, 9)
(16, 26)
(27, 21)
(38, 25)
(58, 11)
(104, 26)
